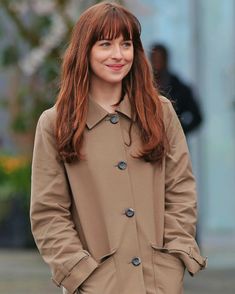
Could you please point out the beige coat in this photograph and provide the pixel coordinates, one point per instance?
(115, 224)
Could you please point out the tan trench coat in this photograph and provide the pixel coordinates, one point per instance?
(115, 224)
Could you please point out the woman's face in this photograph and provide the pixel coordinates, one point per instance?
(111, 60)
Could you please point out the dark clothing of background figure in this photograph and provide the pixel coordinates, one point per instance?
(186, 107)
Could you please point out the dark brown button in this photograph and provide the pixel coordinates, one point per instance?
(129, 212)
(136, 261)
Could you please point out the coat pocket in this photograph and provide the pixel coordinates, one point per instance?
(168, 271)
(189, 255)
(103, 279)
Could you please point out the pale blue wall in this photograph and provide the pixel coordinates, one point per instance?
(218, 89)
(169, 22)
(201, 36)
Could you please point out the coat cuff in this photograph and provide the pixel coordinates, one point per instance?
(77, 275)
(193, 261)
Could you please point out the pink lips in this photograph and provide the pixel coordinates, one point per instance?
(115, 67)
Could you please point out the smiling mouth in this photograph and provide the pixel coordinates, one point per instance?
(116, 66)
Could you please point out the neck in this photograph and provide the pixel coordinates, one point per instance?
(105, 94)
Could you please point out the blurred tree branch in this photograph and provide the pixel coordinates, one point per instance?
(29, 36)
(34, 57)
(61, 10)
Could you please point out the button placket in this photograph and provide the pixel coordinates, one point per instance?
(133, 254)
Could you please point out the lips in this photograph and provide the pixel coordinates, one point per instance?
(115, 66)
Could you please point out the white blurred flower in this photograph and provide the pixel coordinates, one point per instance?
(32, 61)
(43, 7)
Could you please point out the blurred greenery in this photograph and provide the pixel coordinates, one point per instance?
(10, 55)
(14, 176)
(14, 182)
(25, 29)
(23, 32)
(28, 94)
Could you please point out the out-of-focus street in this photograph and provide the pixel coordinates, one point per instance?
(23, 272)
(190, 47)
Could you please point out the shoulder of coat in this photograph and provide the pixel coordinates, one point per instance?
(48, 118)
(169, 115)
(165, 101)
(51, 113)
(166, 105)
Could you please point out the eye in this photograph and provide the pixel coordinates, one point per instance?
(105, 44)
(127, 44)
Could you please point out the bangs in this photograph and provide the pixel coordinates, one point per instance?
(115, 23)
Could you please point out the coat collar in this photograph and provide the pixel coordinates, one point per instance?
(96, 113)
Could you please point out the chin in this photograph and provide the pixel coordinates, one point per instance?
(115, 82)
(115, 79)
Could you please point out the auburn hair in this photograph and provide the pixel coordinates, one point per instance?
(107, 20)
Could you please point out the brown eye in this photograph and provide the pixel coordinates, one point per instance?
(105, 44)
(127, 44)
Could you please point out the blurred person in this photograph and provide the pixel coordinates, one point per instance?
(181, 95)
(171, 86)
(113, 204)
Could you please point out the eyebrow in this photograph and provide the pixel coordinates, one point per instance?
(108, 39)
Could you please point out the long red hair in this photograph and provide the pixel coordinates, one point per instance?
(107, 20)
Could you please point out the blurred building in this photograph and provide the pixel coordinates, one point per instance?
(201, 37)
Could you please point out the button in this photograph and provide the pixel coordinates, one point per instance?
(122, 165)
(114, 118)
(136, 261)
(129, 212)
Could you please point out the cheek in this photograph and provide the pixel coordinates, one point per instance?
(95, 62)
(92, 65)
(98, 56)
(129, 56)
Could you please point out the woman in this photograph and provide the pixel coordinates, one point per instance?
(113, 207)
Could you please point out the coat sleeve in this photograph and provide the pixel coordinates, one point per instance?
(52, 225)
(180, 198)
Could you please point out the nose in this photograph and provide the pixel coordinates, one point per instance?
(116, 52)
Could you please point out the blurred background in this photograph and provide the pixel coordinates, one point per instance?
(200, 38)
